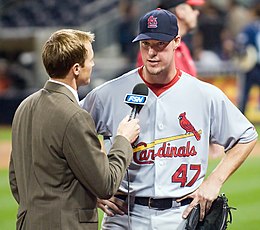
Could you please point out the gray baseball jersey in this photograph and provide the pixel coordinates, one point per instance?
(170, 157)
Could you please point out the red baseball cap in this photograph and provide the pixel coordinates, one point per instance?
(195, 2)
(167, 4)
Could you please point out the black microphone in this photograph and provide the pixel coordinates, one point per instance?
(137, 99)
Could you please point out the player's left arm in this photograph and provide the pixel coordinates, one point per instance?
(210, 188)
(230, 129)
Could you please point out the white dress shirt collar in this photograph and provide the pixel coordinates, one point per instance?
(74, 92)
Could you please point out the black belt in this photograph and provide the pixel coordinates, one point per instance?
(161, 204)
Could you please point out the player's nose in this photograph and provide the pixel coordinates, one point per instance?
(151, 51)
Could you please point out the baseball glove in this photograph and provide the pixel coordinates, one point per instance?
(217, 218)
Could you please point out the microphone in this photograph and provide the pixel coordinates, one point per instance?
(137, 99)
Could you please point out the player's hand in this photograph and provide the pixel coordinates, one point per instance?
(112, 206)
(129, 129)
(204, 196)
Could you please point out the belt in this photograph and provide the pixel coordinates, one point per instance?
(161, 204)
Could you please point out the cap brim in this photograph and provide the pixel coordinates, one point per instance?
(154, 36)
(195, 2)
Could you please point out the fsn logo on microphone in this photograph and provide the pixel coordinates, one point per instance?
(135, 99)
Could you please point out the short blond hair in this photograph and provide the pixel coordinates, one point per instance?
(63, 49)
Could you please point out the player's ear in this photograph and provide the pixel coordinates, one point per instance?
(177, 41)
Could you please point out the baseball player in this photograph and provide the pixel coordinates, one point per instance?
(181, 117)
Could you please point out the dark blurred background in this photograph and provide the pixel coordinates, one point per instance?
(26, 24)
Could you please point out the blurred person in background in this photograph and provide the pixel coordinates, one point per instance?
(236, 10)
(5, 81)
(207, 41)
(57, 168)
(248, 51)
(126, 30)
(211, 24)
(187, 12)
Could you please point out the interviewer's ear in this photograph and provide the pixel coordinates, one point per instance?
(76, 69)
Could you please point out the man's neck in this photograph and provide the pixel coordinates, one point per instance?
(162, 78)
(71, 83)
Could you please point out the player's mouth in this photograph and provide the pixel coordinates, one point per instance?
(153, 62)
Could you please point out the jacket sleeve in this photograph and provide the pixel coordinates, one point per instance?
(99, 173)
(12, 181)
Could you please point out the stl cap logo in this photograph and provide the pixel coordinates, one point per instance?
(152, 22)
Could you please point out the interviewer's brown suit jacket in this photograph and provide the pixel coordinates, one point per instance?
(57, 168)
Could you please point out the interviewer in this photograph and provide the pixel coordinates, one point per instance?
(57, 169)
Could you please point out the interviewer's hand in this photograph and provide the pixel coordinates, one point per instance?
(112, 206)
(129, 129)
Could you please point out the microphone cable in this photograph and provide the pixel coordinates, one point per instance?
(128, 199)
(128, 187)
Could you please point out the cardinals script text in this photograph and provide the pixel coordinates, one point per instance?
(166, 150)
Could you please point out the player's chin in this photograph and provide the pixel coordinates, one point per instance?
(155, 70)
